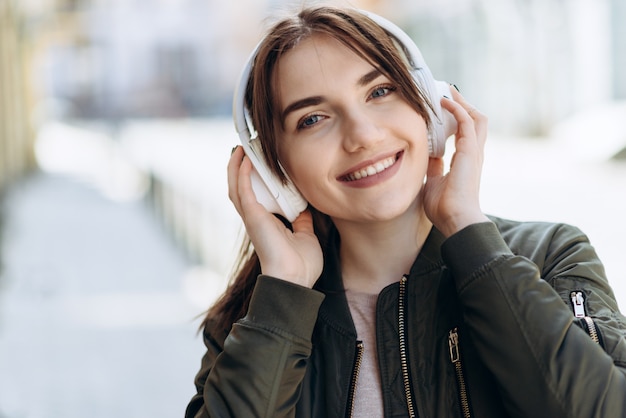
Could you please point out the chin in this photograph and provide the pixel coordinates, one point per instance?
(381, 213)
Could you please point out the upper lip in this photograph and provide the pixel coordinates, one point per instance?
(368, 162)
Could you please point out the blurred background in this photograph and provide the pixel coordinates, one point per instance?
(115, 129)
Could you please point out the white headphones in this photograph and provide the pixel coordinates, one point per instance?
(285, 199)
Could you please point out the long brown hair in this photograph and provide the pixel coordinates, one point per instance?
(363, 36)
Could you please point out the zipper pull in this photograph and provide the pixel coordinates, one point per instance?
(455, 357)
(453, 344)
(578, 302)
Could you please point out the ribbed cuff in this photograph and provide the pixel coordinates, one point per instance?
(471, 248)
(283, 306)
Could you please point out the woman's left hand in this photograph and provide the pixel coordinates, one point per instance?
(451, 200)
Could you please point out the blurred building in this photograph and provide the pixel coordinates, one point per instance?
(529, 63)
(618, 36)
(118, 59)
(16, 133)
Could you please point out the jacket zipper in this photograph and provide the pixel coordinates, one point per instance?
(578, 303)
(455, 357)
(355, 376)
(403, 351)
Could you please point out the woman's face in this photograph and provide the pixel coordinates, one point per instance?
(349, 140)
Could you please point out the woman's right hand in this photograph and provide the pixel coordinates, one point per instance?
(292, 256)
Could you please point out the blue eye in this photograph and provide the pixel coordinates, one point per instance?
(309, 121)
(382, 91)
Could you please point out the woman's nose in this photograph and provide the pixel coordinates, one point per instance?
(361, 131)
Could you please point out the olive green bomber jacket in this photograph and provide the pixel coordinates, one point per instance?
(483, 325)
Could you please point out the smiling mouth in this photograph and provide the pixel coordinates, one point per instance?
(373, 169)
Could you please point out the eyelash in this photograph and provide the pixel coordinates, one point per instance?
(388, 87)
(301, 124)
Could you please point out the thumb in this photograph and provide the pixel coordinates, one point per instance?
(303, 223)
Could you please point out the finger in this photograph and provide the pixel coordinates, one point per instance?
(458, 98)
(233, 174)
(464, 121)
(479, 118)
(304, 222)
(244, 184)
(480, 124)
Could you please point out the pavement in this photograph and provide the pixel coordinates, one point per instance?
(94, 320)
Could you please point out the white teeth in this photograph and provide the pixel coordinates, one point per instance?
(372, 169)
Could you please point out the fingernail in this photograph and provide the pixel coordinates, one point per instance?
(446, 97)
(455, 87)
(234, 149)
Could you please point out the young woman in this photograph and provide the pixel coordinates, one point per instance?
(393, 295)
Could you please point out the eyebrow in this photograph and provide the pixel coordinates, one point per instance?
(300, 104)
(316, 100)
(369, 77)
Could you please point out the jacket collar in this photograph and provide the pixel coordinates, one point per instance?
(429, 256)
(335, 310)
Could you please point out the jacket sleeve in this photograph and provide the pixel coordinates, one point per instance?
(544, 364)
(259, 369)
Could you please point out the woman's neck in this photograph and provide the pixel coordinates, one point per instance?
(378, 254)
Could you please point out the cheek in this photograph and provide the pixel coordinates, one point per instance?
(420, 148)
(421, 136)
(294, 166)
(305, 170)
(300, 170)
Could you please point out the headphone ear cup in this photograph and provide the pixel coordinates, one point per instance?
(444, 125)
(286, 201)
(291, 202)
(263, 193)
(432, 146)
(283, 199)
(276, 197)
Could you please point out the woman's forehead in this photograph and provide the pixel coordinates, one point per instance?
(318, 57)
